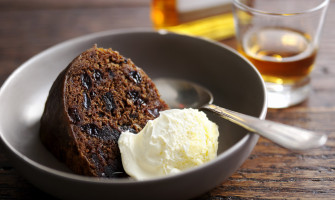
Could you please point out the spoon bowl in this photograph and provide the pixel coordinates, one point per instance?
(179, 93)
(185, 94)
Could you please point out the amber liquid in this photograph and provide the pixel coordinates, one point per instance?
(282, 56)
(164, 13)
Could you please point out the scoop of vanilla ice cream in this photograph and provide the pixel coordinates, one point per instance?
(177, 140)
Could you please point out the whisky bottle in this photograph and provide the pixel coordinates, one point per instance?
(205, 18)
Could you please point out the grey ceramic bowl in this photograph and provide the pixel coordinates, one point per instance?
(235, 83)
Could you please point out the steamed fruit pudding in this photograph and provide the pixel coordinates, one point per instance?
(97, 96)
(175, 141)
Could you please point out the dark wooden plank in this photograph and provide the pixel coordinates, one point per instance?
(30, 32)
(65, 4)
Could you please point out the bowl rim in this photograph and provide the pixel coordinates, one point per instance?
(111, 181)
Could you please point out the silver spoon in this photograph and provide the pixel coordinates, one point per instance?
(184, 94)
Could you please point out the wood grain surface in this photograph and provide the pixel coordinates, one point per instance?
(271, 172)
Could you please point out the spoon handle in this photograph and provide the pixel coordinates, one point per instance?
(287, 136)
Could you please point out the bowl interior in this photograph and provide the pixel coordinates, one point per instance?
(234, 83)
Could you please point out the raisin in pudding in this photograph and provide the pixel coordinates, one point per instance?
(96, 97)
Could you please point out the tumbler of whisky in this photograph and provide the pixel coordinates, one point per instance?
(281, 39)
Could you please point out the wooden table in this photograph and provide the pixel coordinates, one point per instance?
(271, 172)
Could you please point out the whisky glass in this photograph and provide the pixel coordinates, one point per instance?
(281, 39)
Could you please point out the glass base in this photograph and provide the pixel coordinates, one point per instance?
(283, 96)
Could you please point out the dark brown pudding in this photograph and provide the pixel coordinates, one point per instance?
(99, 95)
